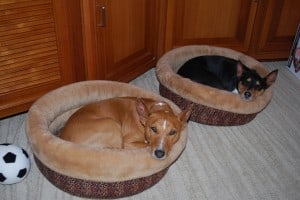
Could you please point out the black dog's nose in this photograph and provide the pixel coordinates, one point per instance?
(159, 153)
(247, 94)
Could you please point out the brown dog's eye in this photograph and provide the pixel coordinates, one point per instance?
(172, 132)
(154, 129)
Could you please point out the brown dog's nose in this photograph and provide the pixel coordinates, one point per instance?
(159, 153)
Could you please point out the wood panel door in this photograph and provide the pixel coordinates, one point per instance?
(37, 50)
(214, 22)
(275, 28)
(120, 37)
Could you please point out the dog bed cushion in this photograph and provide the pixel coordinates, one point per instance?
(88, 171)
(210, 105)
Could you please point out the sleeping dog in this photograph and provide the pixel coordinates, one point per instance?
(227, 74)
(127, 122)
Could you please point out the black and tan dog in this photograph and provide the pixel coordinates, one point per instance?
(227, 74)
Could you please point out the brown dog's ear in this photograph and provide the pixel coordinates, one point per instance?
(160, 105)
(142, 110)
(271, 77)
(185, 114)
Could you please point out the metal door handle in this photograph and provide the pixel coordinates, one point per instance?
(102, 21)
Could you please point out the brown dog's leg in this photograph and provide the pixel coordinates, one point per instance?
(136, 145)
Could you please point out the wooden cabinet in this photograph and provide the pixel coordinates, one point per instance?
(45, 44)
(275, 28)
(225, 23)
(37, 52)
(120, 37)
(261, 28)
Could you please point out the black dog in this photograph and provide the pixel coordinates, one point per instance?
(227, 74)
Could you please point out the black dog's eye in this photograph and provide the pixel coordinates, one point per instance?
(257, 85)
(172, 132)
(246, 82)
(154, 129)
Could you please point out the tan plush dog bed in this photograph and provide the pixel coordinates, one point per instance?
(89, 171)
(210, 106)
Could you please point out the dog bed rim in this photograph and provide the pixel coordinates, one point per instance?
(47, 147)
(194, 91)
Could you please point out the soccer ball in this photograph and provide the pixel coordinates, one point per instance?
(14, 164)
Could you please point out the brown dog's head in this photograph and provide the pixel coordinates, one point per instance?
(162, 126)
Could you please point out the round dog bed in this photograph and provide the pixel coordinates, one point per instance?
(87, 171)
(210, 106)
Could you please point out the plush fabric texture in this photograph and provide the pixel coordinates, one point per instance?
(48, 115)
(170, 63)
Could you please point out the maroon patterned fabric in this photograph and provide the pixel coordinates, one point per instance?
(207, 115)
(93, 189)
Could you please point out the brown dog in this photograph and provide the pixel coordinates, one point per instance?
(127, 122)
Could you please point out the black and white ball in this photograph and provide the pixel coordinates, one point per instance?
(14, 164)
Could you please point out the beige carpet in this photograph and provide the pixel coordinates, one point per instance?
(259, 160)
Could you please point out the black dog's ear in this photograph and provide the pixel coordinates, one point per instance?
(271, 77)
(239, 69)
(142, 110)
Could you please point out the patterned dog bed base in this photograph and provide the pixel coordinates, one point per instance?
(207, 115)
(93, 189)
